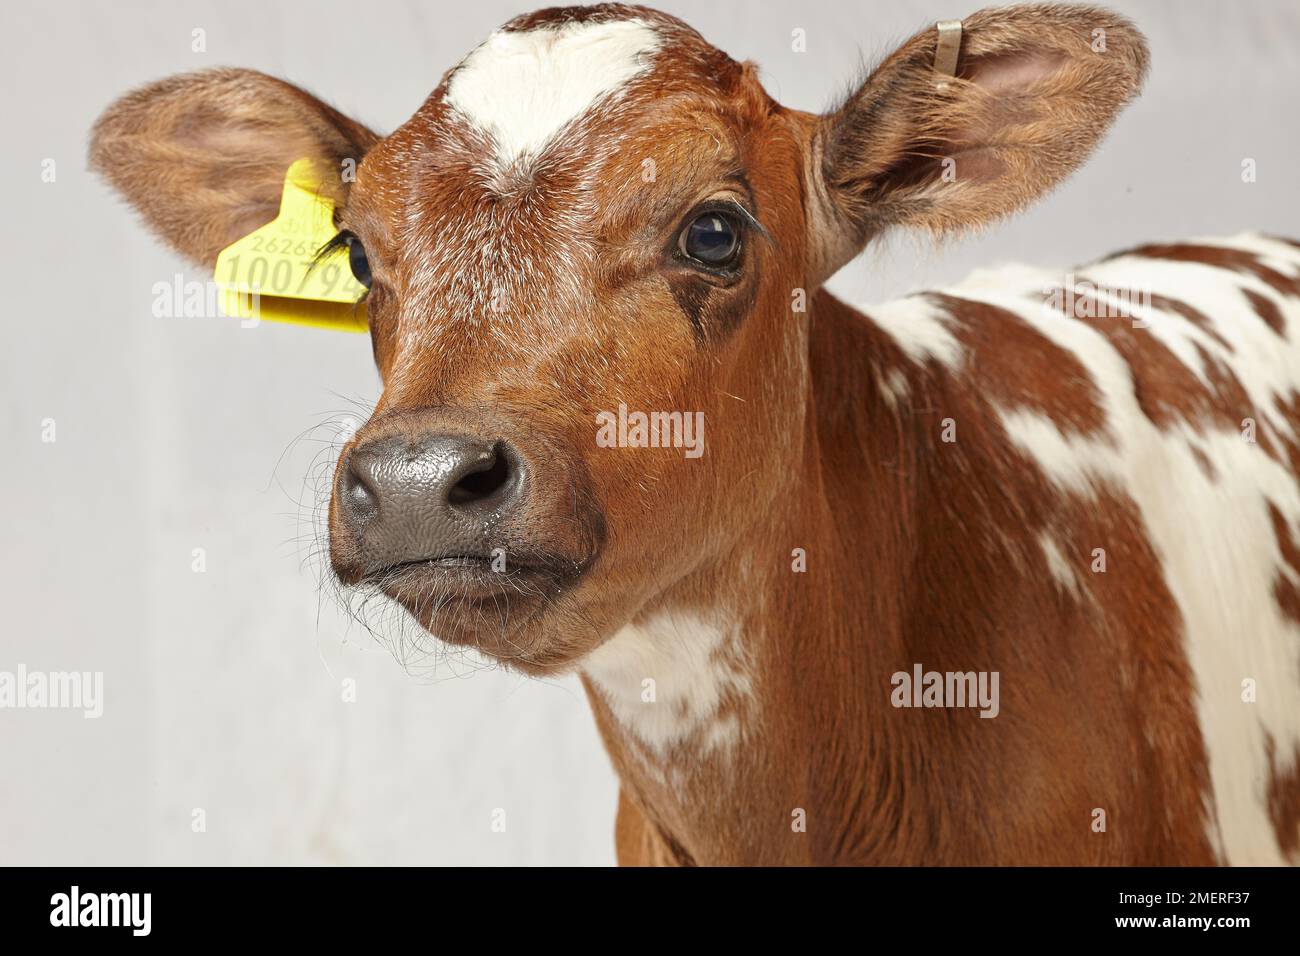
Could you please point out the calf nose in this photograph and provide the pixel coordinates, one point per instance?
(427, 498)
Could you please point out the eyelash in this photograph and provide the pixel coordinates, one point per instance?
(339, 243)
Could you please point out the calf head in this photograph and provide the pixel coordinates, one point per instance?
(598, 214)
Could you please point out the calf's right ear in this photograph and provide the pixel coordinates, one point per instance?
(202, 156)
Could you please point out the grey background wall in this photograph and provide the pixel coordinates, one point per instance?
(223, 688)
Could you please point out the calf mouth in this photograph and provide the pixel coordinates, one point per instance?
(472, 600)
(473, 578)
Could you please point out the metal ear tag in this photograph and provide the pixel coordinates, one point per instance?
(948, 49)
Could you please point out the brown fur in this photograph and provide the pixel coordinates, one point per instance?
(528, 300)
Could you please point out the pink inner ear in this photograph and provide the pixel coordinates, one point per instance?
(1006, 78)
(1013, 73)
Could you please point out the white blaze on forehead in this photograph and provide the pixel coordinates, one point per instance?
(523, 87)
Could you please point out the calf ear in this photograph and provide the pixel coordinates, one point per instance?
(202, 156)
(1034, 90)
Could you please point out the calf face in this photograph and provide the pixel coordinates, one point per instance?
(598, 215)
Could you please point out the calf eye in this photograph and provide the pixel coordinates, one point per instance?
(712, 239)
(358, 261)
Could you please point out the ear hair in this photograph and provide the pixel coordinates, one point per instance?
(202, 156)
(1031, 98)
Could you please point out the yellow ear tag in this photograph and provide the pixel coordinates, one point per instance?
(269, 274)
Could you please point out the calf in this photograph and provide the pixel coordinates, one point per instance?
(1006, 573)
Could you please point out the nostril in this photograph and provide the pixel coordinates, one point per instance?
(485, 481)
(357, 493)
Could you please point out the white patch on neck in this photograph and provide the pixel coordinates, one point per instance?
(690, 662)
(524, 87)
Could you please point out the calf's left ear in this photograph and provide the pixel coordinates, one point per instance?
(947, 145)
